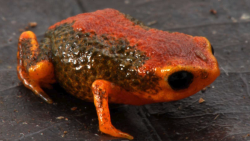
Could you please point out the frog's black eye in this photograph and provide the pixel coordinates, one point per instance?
(212, 49)
(180, 80)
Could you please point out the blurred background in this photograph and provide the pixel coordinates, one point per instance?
(224, 115)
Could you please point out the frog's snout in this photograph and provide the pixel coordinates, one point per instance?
(180, 80)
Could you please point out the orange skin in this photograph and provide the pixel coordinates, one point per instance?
(203, 66)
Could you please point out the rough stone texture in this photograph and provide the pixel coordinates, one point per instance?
(223, 116)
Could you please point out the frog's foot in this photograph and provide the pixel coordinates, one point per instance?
(32, 72)
(100, 90)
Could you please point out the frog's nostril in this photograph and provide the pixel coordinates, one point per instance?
(212, 49)
(180, 80)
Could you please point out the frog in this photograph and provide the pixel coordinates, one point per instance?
(109, 57)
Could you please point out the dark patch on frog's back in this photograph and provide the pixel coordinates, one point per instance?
(81, 58)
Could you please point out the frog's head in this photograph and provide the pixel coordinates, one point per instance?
(187, 71)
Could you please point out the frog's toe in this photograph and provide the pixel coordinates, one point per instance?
(111, 130)
(32, 85)
(39, 92)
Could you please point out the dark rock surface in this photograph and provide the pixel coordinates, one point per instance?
(224, 115)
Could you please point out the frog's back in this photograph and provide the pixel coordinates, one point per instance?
(160, 46)
(80, 57)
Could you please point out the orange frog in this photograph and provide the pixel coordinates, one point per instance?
(109, 57)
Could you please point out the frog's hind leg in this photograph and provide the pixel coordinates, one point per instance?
(101, 90)
(32, 71)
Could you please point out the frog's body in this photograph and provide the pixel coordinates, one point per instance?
(106, 56)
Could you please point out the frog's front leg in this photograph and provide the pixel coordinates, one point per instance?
(33, 72)
(101, 89)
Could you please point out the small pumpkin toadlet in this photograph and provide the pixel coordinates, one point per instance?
(109, 57)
